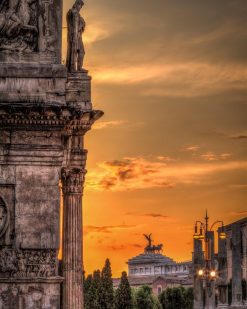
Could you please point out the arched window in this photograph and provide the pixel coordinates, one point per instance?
(159, 289)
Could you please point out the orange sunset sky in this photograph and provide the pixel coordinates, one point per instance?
(171, 77)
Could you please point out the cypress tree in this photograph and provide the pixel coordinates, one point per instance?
(177, 298)
(168, 304)
(96, 290)
(88, 292)
(106, 296)
(123, 297)
(189, 298)
(144, 299)
(163, 299)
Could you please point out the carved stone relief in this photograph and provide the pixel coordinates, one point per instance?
(3, 217)
(28, 263)
(48, 36)
(31, 296)
(18, 25)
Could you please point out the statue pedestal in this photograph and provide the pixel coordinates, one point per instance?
(78, 90)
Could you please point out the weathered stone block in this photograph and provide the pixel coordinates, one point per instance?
(78, 90)
(30, 294)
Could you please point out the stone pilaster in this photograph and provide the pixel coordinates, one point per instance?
(72, 186)
(210, 284)
(236, 266)
(244, 261)
(222, 272)
(198, 263)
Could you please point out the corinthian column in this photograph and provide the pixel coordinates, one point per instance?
(72, 186)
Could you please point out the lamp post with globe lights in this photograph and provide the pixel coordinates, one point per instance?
(206, 271)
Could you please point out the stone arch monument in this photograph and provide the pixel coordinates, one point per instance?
(45, 111)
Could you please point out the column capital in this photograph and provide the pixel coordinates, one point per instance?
(73, 180)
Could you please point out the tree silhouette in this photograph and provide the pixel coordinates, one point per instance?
(123, 297)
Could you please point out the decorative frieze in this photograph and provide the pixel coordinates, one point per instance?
(16, 263)
(33, 117)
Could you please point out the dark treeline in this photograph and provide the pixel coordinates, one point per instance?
(100, 294)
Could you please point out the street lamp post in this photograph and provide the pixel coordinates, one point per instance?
(207, 273)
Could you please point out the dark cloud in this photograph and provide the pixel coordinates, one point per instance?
(137, 246)
(108, 182)
(239, 136)
(126, 246)
(106, 229)
(153, 215)
(126, 174)
(118, 163)
(237, 213)
(117, 248)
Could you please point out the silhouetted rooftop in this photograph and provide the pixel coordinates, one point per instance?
(154, 258)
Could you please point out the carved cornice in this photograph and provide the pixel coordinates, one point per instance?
(73, 180)
(54, 117)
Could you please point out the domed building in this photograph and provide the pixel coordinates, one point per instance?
(151, 264)
(157, 270)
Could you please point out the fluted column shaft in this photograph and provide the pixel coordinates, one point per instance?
(72, 184)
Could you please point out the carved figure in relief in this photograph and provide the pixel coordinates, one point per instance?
(28, 263)
(12, 298)
(3, 217)
(76, 26)
(18, 25)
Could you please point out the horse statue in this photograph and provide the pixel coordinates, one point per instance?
(152, 248)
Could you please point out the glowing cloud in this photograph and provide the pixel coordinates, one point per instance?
(105, 124)
(139, 173)
(189, 78)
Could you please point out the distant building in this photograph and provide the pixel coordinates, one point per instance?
(236, 240)
(155, 264)
(229, 264)
(156, 270)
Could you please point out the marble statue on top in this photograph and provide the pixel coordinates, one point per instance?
(75, 48)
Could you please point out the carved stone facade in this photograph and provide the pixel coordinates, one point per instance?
(44, 115)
